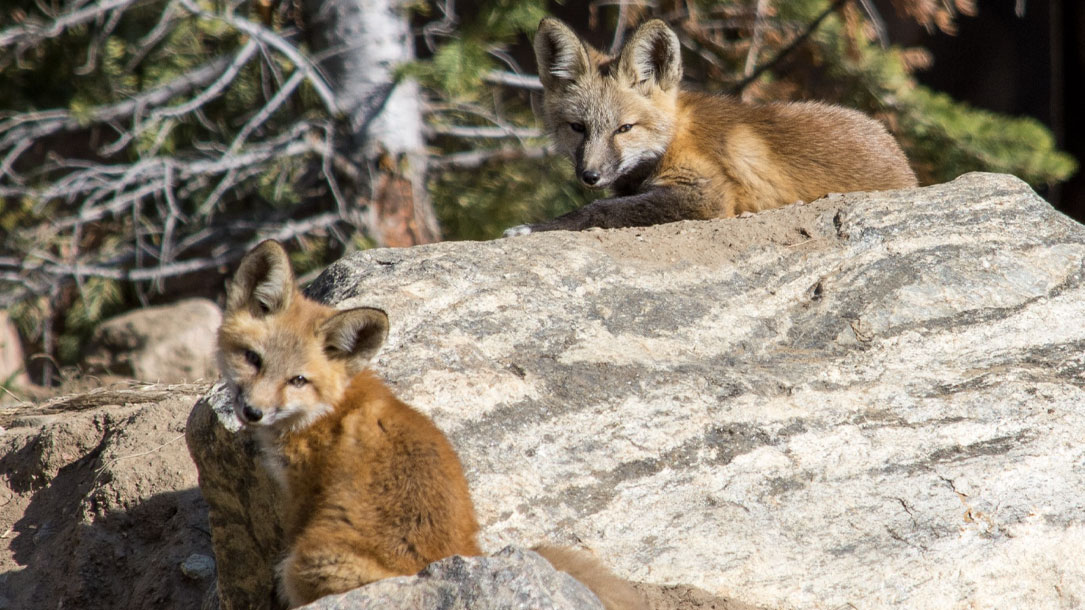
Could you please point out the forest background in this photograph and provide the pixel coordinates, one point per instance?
(145, 145)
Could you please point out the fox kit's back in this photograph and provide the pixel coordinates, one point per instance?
(674, 155)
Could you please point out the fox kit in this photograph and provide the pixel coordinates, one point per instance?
(674, 155)
(372, 487)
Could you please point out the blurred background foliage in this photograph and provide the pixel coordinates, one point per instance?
(489, 167)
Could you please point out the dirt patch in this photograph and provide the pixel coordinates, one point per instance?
(98, 503)
(685, 597)
(810, 226)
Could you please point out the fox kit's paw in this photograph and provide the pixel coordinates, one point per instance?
(517, 230)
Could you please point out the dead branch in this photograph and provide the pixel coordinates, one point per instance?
(278, 43)
(20, 131)
(511, 79)
(26, 35)
(474, 159)
(463, 131)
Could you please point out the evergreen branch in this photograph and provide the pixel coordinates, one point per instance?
(341, 163)
(212, 91)
(782, 53)
(265, 113)
(20, 132)
(240, 59)
(101, 32)
(95, 182)
(231, 177)
(473, 159)
(471, 109)
(280, 44)
(158, 33)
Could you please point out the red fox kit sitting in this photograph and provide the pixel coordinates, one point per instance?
(372, 487)
(674, 155)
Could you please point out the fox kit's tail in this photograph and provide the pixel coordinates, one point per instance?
(615, 593)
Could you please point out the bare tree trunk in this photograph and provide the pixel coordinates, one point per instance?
(362, 42)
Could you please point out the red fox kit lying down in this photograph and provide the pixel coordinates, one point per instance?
(372, 487)
(670, 155)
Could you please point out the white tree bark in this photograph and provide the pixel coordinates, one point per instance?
(361, 43)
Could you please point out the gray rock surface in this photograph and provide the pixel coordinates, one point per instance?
(165, 344)
(875, 399)
(511, 578)
(198, 566)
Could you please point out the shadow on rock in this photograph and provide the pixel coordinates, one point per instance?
(104, 512)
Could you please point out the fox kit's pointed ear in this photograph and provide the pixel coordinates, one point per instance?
(560, 54)
(355, 335)
(264, 282)
(652, 57)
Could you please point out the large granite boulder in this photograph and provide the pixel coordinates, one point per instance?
(873, 400)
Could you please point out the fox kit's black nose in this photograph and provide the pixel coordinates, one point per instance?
(252, 414)
(589, 177)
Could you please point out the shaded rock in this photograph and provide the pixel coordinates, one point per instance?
(165, 344)
(511, 578)
(98, 502)
(245, 510)
(198, 566)
(875, 399)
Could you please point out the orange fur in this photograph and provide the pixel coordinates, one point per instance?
(372, 487)
(614, 592)
(673, 155)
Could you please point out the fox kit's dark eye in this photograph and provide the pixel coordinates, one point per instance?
(253, 358)
(577, 127)
(298, 381)
(624, 128)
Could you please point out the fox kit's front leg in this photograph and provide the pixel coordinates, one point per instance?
(654, 206)
(315, 568)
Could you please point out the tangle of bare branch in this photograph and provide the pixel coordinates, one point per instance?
(135, 203)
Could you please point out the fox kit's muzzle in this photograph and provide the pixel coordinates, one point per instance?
(593, 161)
(590, 177)
(251, 414)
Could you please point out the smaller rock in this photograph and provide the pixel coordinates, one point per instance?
(198, 566)
(165, 344)
(511, 578)
(12, 363)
